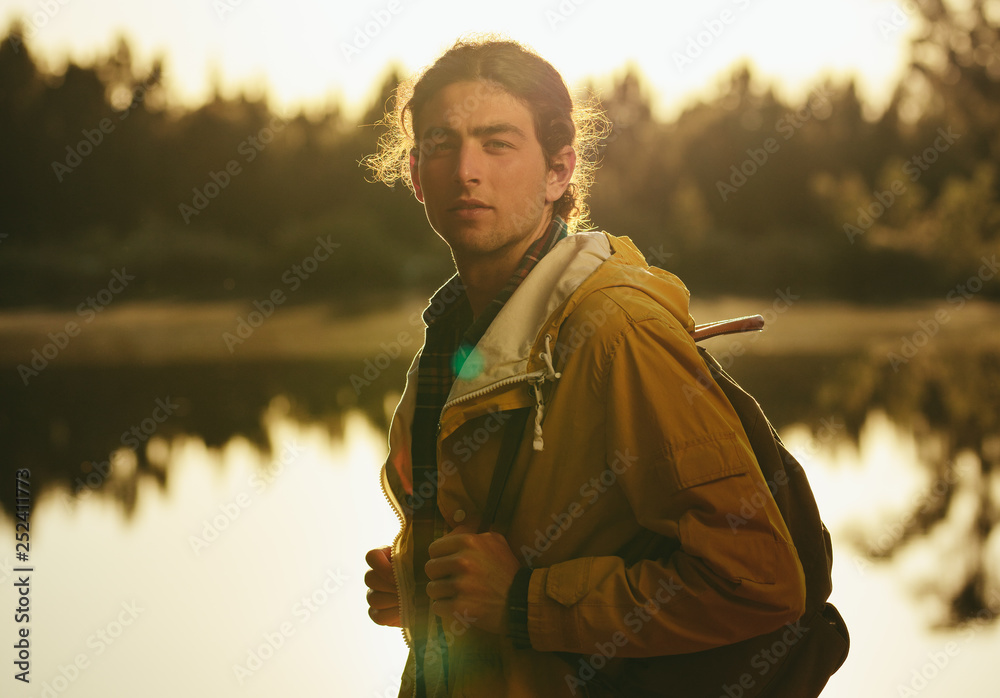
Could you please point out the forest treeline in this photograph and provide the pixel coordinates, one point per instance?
(744, 193)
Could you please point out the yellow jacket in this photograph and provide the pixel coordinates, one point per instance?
(637, 500)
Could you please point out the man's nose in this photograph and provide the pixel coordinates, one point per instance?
(469, 165)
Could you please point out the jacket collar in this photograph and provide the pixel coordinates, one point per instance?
(504, 354)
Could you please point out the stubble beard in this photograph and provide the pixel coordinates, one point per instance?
(472, 245)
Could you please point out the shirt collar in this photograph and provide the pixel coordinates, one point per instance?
(451, 302)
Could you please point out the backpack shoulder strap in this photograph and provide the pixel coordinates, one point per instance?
(512, 436)
(788, 484)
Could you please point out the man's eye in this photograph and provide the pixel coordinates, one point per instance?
(435, 146)
(498, 145)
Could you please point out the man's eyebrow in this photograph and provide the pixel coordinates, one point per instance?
(437, 132)
(478, 131)
(496, 129)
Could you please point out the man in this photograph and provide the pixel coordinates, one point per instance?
(613, 542)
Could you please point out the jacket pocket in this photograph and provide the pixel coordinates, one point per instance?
(725, 510)
(706, 459)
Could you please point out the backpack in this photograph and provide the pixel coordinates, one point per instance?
(794, 661)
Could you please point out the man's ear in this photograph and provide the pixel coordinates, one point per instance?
(561, 168)
(415, 176)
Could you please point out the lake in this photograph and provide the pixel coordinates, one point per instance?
(200, 516)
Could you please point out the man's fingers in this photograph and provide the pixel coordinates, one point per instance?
(446, 545)
(451, 542)
(447, 566)
(389, 617)
(383, 604)
(380, 581)
(379, 559)
(441, 589)
(382, 600)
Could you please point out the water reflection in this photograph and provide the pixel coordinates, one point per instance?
(904, 641)
(242, 574)
(949, 402)
(74, 422)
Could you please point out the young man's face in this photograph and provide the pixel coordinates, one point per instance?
(480, 171)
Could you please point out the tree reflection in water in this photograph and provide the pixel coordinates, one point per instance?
(951, 402)
(82, 423)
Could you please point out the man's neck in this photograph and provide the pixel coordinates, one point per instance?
(484, 276)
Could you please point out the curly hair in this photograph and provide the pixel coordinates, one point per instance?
(523, 74)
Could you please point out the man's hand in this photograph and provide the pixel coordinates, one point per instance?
(471, 574)
(383, 601)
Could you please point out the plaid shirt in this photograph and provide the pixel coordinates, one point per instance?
(450, 341)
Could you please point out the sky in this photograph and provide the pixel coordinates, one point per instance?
(306, 53)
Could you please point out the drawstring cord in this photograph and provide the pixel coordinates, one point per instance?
(551, 374)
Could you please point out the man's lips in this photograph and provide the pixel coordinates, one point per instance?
(469, 209)
(469, 205)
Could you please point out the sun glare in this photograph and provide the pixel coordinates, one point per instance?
(307, 53)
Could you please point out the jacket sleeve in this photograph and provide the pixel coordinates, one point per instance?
(689, 475)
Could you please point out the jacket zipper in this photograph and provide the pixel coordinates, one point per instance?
(533, 377)
(536, 377)
(392, 561)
